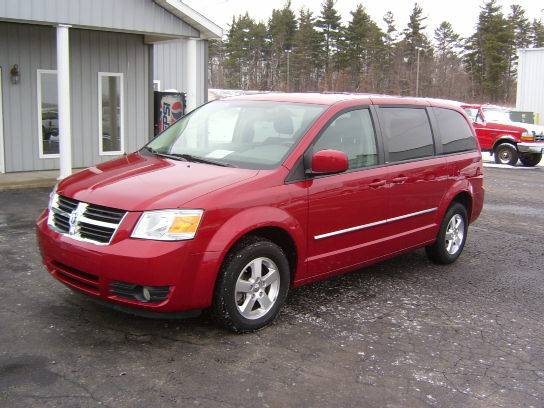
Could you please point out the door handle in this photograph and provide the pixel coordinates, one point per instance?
(377, 184)
(430, 176)
(399, 179)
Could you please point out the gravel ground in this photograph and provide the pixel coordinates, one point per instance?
(404, 333)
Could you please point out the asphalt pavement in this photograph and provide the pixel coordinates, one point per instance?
(403, 333)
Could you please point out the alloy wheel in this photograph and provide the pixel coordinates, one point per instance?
(455, 232)
(257, 288)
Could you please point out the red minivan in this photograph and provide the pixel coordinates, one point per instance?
(247, 197)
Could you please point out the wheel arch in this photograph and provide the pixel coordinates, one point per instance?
(278, 236)
(505, 139)
(461, 192)
(464, 198)
(268, 222)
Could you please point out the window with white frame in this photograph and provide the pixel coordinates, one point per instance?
(48, 113)
(110, 113)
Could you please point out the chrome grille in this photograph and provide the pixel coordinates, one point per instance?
(83, 221)
(539, 138)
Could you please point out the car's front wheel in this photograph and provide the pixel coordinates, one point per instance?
(252, 285)
(530, 159)
(451, 237)
(506, 153)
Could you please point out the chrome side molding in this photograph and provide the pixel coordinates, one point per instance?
(374, 224)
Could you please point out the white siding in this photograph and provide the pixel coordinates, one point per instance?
(530, 94)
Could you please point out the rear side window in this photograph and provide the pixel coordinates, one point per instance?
(408, 133)
(455, 132)
(352, 133)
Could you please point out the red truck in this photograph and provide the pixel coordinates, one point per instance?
(506, 140)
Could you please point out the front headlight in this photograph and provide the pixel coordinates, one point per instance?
(527, 137)
(168, 225)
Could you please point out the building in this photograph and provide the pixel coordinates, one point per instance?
(530, 94)
(77, 76)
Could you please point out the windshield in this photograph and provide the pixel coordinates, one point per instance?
(497, 115)
(247, 134)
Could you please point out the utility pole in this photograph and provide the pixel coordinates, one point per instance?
(417, 72)
(288, 70)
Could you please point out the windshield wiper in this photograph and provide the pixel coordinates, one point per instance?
(168, 156)
(190, 157)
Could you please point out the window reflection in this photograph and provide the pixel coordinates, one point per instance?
(111, 115)
(49, 112)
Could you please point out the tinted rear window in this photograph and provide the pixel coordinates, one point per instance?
(408, 133)
(455, 132)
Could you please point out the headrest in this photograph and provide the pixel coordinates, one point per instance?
(283, 123)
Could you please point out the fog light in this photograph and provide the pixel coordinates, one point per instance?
(145, 293)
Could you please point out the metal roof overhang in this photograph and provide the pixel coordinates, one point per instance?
(208, 29)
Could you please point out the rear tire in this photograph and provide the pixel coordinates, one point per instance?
(506, 153)
(530, 159)
(451, 237)
(252, 285)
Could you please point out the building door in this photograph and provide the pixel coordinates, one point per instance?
(2, 165)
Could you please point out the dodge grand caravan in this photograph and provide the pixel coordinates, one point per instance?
(244, 198)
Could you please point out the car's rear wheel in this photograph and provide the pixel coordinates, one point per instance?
(252, 286)
(506, 153)
(530, 159)
(451, 237)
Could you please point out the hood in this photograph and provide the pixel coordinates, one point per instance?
(518, 127)
(141, 182)
(534, 129)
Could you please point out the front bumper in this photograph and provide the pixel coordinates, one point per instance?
(531, 148)
(94, 269)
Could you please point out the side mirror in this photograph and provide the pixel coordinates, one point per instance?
(329, 162)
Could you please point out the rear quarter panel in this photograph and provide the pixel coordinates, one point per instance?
(466, 176)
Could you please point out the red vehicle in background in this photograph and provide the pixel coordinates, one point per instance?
(506, 140)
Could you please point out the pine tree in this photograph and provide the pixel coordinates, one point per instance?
(447, 46)
(537, 33)
(393, 60)
(281, 30)
(521, 38)
(414, 35)
(329, 22)
(307, 53)
(391, 33)
(415, 43)
(236, 51)
(362, 48)
(216, 56)
(488, 57)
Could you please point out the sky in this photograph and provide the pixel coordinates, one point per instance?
(462, 14)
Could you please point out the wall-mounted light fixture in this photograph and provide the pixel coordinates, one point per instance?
(15, 74)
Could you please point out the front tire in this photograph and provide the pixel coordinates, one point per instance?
(252, 285)
(506, 153)
(451, 237)
(530, 159)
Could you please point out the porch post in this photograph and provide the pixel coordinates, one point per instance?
(63, 86)
(190, 67)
